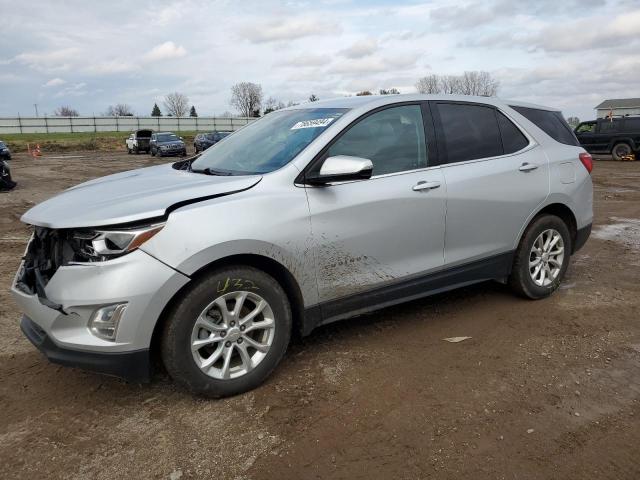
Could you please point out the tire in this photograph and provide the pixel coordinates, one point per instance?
(521, 279)
(136, 151)
(128, 150)
(153, 153)
(195, 147)
(620, 150)
(197, 303)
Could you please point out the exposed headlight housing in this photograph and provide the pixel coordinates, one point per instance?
(101, 245)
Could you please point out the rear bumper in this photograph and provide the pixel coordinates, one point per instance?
(134, 366)
(582, 235)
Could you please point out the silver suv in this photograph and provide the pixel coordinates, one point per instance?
(309, 215)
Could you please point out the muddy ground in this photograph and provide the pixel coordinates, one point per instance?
(542, 390)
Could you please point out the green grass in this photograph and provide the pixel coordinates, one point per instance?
(62, 142)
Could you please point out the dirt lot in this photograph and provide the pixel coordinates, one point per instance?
(544, 389)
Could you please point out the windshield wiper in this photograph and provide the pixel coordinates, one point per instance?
(213, 171)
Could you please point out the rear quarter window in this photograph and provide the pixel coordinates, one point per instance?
(551, 123)
(513, 140)
(632, 125)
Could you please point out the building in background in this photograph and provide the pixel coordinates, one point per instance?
(618, 107)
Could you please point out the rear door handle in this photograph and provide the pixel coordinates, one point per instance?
(527, 167)
(422, 185)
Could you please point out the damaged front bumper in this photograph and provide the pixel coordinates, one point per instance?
(59, 299)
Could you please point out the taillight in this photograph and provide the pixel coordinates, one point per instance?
(587, 161)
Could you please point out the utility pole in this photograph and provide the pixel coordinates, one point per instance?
(36, 107)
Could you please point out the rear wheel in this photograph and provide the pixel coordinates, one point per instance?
(227, 333)
(620, 150)
(129, 151)
(542, 258)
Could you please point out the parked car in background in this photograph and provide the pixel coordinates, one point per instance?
(167, 144)
(202, 141)
(5, 153)
(618, 136)
(138, 141)
(309, 215)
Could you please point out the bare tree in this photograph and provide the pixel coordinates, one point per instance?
(428, 84)
(313, 98)
(469, 83)
(246, 97)
(363, 93)
(271, 105)
(176, 104)
(478, 83)
(573, 121)
(65, 111)
(450, 84)
(119, 110)
(390, 91)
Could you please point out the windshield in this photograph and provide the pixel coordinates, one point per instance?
(167, 137)
(267, 144)
(2, 145)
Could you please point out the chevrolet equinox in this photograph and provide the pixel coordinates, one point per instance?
(309, 215)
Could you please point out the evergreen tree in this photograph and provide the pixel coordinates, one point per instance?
(192, 112)
(156, 111)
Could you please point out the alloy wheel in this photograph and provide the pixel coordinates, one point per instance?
(232, 335)
(546, 258)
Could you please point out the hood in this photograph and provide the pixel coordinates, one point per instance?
(171, 142)
(131, 196)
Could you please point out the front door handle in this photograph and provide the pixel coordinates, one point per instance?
(527, 167)
(422, 185)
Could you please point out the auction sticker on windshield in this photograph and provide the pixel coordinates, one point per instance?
(318, 122)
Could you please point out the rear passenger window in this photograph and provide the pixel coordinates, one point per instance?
(608, 126)
(470, 131)
(551, 123)
(513, 139)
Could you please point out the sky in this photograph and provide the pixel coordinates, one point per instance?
(569, 54)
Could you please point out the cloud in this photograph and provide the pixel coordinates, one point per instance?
(55, 82)
(361, 48)
(581, 34)
(307, 60)
(110, 67)
(50, 61)
(374, 64)
(72, 90)
(168, 15)
(164, 51)
(288, 29)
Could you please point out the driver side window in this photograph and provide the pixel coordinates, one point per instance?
(393, 139)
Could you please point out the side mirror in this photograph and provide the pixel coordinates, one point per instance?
(342, 168)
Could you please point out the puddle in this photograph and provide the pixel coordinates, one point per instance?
(625, 231)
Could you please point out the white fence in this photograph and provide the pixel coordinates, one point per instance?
(118, 124)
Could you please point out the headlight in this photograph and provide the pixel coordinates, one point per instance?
(101, 245)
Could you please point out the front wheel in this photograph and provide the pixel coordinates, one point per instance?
(542, 258)
(227, 333)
